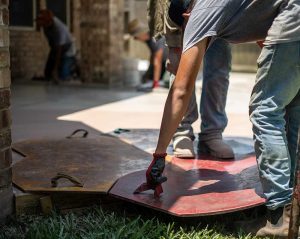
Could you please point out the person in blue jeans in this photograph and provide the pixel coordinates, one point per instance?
(217, 65)
(275, 114)
(61, 60)
(216, 69)
(274, 107)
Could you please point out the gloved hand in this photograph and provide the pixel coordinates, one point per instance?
(155, 170)
(154, 177)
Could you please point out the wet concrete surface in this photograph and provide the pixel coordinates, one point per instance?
(41, 111)
(37, 107)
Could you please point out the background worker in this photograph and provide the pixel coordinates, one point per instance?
(61, 58)
(275, 101)
(158, 52)
(216, 69)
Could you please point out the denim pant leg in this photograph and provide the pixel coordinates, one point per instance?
(292, 128)
(48, 71)
(275, 98)
(185, 127)
(66, 67)
(216, 68)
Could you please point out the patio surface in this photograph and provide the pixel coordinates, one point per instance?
(43, 111)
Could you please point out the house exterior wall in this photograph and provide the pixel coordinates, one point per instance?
(6, 193)
(97, 27)
(29, 51)
(102, 41)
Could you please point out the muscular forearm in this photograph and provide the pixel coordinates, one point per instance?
(157, 72)
(180, 93)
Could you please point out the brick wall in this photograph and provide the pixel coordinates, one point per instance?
(97, 26)
(102, 41)
(29, 51)
(6, 194)
(116, 35)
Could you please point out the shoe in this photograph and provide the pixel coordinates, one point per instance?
(155, 84)
(183, 147)
(277, 223)
(216, 147)
(145, 87)
(274, 224)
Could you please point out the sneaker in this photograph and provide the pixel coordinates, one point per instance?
(183, 147)
(145, 87)
(155, 84)
(216, 148)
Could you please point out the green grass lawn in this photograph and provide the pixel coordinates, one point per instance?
(97, 223)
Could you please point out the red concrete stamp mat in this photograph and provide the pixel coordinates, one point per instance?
(198, 187)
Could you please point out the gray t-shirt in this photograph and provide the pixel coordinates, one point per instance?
(240, 21)
(59, 35)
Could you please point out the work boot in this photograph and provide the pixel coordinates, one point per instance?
(215, 147)
(274, 224)
(277, 223)
(155, 84)
(183, 147)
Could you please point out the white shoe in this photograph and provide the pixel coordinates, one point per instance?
(183, 147)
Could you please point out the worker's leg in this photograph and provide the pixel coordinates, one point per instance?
(48, 71)
(65, 71)
(216, 68)
(293, 124)
(275, 91)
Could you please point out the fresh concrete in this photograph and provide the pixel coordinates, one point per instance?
(41, 110)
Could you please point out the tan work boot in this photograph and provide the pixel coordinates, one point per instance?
(277, 224)
(183, 147)
(216, 147)
(274, 224)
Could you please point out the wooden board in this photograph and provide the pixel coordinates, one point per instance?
(198, 187)
(96, 162)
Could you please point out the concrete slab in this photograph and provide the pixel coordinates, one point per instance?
(41, 111)
(145, 111)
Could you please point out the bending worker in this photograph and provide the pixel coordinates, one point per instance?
(275, 101)
(61, 58)
(216, 69)
(158, 51)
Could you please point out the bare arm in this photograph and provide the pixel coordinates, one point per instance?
(157, 64)
(180, 93)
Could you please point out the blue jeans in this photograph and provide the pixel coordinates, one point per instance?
(216, 68)
(66, 67)
(275, 114)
